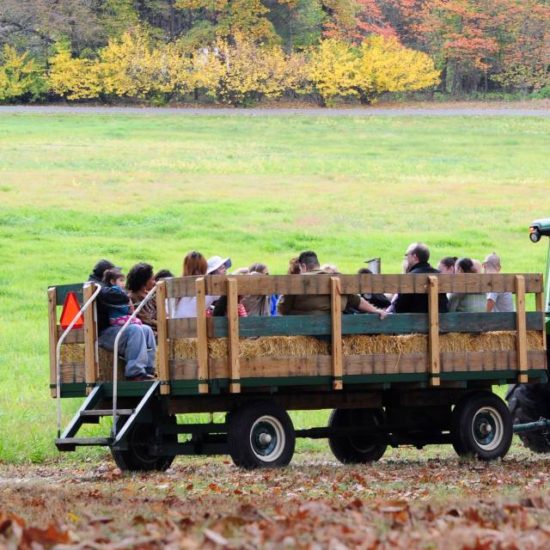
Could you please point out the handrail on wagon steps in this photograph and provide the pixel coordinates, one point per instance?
(58, 354)
(147, 298)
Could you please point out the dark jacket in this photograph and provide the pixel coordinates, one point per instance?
(107, 298)
(418, 303)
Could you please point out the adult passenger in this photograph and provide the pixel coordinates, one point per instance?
(377, 300)
(96, 276)
(139, 282)
(462, 302)
(257, 305)
(417, 259)
(497, 301)
(447, 264)
(319, 304)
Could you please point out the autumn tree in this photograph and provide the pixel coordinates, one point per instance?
(20, 76)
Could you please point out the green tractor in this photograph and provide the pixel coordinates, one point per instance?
(530, 403)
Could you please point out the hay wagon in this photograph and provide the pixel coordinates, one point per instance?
(409, 379)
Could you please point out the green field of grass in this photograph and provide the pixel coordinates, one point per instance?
(76, 188)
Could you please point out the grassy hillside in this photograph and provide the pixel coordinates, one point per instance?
(75, 188)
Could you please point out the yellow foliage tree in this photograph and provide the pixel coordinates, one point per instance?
(333, 70)
(19, 75)
(241, 72)
(73, 78)
(387, 66)
(132, 67)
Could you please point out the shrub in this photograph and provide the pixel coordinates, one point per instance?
(20, 77)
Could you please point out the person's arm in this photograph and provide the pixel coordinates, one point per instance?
(490, 305)
(358, 302)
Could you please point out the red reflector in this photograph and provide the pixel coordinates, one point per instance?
(71, 307)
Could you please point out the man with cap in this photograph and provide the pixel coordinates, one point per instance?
(96, 276)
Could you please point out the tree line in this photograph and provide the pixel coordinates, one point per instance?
(239, 51)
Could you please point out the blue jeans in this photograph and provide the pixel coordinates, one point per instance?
(138, 346)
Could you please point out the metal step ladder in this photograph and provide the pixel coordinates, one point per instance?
(89, 414)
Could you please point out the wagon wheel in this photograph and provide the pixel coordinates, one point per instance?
(260, 435)
(481, 426)
(137, 457)
(357, 448)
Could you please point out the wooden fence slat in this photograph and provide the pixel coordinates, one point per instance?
(521, 330)
(336, 319)
(163, 343)
(355, 284)
(233, 335)
(202, 335)
(433, 335)
(541, 310)
(52, 324)
(91, 367)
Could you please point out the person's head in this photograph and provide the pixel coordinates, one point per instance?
(100, 268)
(308, 261)
(329, 268)
(477, 266)
(364, 271)
(294, 267)
(140, 278)
(114, 276)
(163, 274)
(464, 265)
(194, 263)
(417, 253)
(218, 265)
(447, 264)
(241, 271)
(259, 268)
(491, 263)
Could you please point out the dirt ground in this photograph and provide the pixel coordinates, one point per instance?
(405, 501)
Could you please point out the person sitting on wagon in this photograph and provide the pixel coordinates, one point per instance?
(257, 305)
(139, 282)
(137, 343)
(96, 276)
(459, 301)
(497, 301)
(319, 304)
(417, 261)
(118, 313)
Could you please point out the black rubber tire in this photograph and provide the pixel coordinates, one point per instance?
(355, 449)
(528, 403)
(482, 427)
(136, 458)
(260, 435)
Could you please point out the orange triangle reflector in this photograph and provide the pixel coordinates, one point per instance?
(71, 307)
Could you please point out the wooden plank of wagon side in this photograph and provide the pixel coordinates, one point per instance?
(233, 336)
(202, 335)
(521, 330)
(336, 319)
(91, 363)
(52, 324)
(433, 335)
(162, 333)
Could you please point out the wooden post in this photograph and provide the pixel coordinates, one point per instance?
(90, 359)
(539, 298)
(233, 336)
(521, 337)
(336, 322)
(433, 314)
(202, 335)
(162, 335)
(52, 323)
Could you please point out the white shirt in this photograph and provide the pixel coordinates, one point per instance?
(503, 301)
(187, 306)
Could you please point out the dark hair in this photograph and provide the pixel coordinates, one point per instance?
(364, 271)
(194, 264)
(163, 274)
(422, 252)
(138, 276)
(448, 261)
(101, 267)
(466, 265)
(294, 267)
(257, 268)
(309, 259)
(111, 275)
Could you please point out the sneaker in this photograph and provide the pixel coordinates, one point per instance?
(141, 378)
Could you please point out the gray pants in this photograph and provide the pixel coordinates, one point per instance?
(138, 346)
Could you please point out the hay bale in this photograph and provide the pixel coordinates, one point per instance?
(306, 346)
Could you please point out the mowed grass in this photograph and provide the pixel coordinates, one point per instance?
(76, 188)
